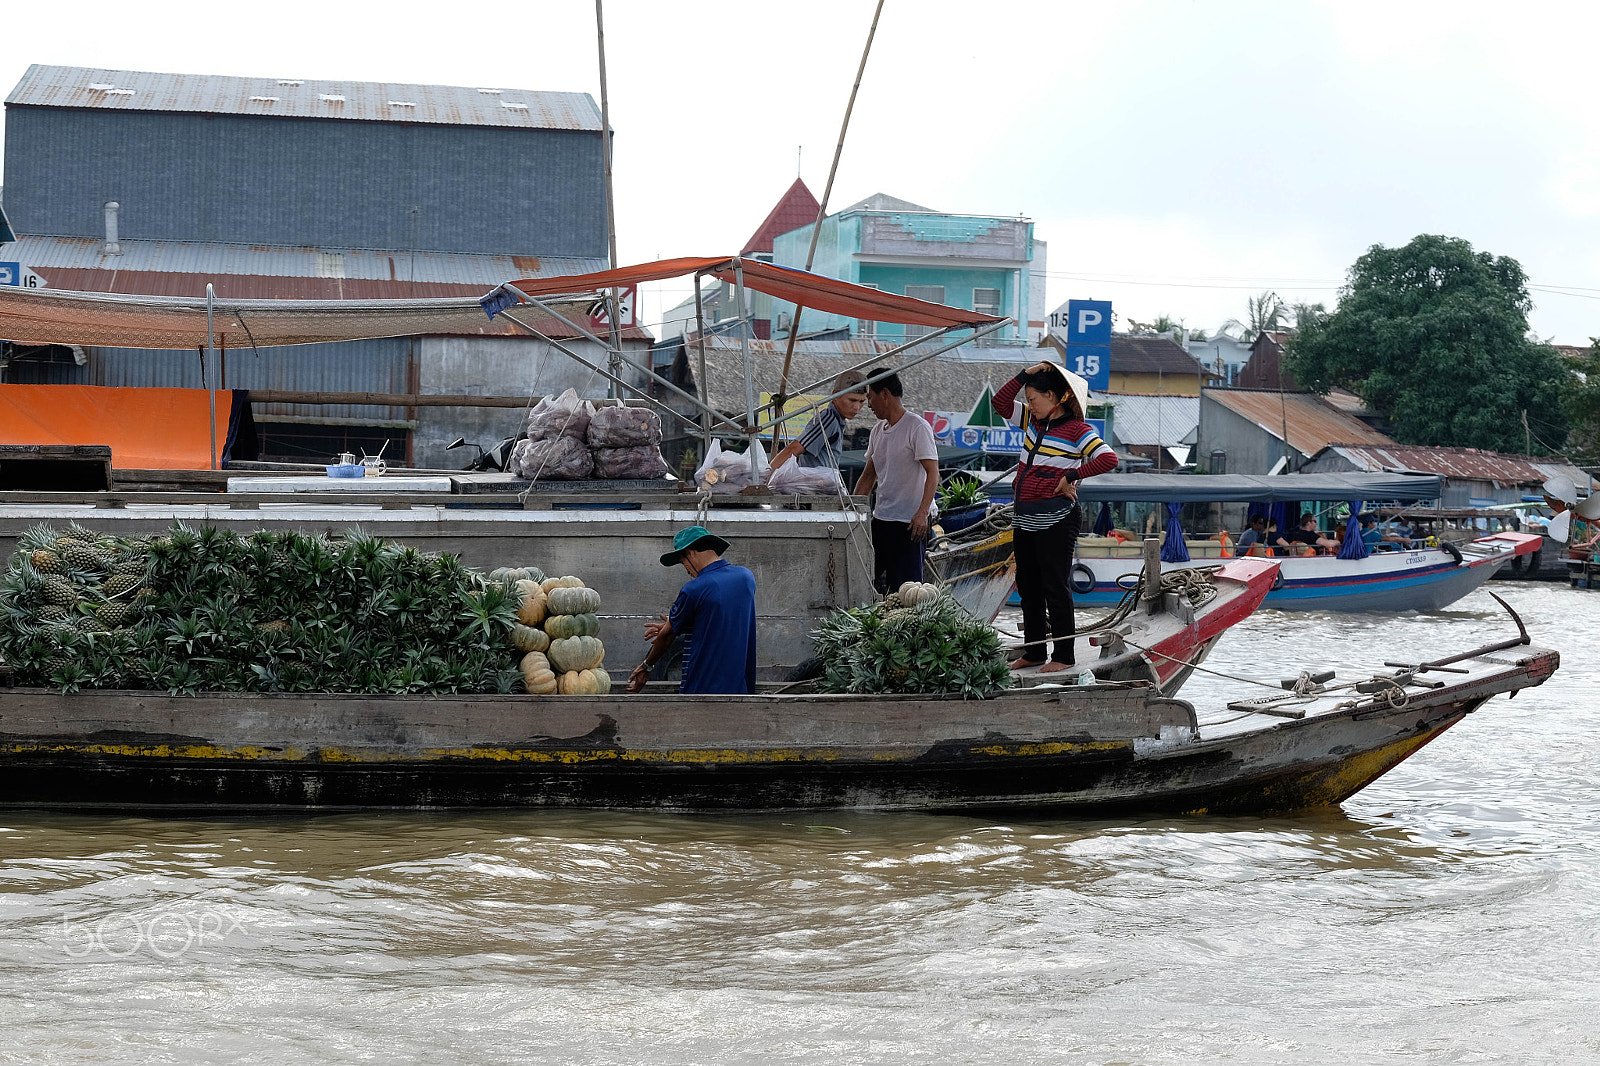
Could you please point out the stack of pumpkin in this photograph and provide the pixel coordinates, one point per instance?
(557, 630)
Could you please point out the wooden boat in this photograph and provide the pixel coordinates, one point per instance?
(1071, 749)
(1157, 638)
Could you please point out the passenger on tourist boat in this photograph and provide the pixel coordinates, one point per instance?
(1308, 535)
(715, 613)
(1059, 449)
(903, 462)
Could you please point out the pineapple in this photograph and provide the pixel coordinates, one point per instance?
(76, 556)
(113, 614)
(45, 561)
(117, 584)
(60, 592)
(52, 612)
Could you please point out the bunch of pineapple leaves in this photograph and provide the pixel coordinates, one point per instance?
(934, 647)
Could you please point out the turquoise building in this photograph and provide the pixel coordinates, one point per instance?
(983, 262)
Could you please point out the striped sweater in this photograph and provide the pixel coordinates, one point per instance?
(1062, 448)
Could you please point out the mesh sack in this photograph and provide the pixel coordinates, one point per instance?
(566, 415)
(558, 459)
(624, 427)
(644, 462)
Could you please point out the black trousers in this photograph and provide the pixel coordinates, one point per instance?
(896, 558)
(1044, 584)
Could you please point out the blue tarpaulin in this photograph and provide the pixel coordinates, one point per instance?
(1173, 549)
(1353, 547)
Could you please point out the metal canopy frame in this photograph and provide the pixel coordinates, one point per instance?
(706, 418)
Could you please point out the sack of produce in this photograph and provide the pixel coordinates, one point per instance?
(560, 458)
(624, 427)
(792, 479)
(566, 415)
(644, 463)
(729, 471)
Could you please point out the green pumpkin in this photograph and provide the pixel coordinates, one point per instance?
(576, 653)
(573, 600)
(527, 638)
(571, 625)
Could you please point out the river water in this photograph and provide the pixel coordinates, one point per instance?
(1448, 914)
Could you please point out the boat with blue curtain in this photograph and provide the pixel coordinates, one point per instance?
(1358, 577)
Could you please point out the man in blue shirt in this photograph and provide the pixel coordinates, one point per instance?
(715, 613)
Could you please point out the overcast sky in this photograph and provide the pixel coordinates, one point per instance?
(1177, 156)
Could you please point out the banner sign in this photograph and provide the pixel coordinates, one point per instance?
(951, 428)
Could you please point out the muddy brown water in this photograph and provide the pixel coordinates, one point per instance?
(1448, 914)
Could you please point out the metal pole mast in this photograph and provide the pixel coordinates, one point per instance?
(211, 353)
(782, 396)
(611, 208)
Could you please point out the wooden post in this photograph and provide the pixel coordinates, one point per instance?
(1152, 573)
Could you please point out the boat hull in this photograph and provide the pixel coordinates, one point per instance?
(1071, 750)
(1424, 580)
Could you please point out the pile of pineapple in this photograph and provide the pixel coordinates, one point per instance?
(204, 609)
(918, 639)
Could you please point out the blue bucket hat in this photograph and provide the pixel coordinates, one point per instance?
(694, 538)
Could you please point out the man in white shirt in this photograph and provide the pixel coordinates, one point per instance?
(903, 463)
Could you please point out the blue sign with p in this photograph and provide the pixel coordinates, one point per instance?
(1089, 342)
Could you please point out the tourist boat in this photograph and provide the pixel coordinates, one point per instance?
(1077, 750)
(1419, 580)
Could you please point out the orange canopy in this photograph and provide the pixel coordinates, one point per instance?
(786, 283)
(146, 428)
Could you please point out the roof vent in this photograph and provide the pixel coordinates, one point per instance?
(402, 103)
(112, 247)
(333, 98)
(289, 83)
(119, 92)
(490, 92)
(100, 86)
(511, 105)
(263, 99)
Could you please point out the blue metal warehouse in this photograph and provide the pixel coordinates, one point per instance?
(123, 181)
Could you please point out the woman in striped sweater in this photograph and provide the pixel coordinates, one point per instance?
(1059, 449)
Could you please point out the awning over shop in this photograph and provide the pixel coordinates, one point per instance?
(165, 429)
(786, 283)
(1252, 488)
(55, 316)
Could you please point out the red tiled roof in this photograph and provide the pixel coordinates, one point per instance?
(796, 208)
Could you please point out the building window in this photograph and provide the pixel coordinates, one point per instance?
(866, 330)
(986, 302)
(933, 294)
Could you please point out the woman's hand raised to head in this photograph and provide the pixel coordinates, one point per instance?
(1043, 364)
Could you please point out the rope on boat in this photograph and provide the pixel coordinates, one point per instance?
(1194, 585)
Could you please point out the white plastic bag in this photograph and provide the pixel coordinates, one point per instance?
(566, 415)
(729, 471)
(792, 479)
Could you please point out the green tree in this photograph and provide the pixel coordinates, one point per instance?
(1434, 337)
(1580, 403)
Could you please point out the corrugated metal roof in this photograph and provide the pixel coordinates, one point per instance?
(291, 97)
(1158, 421)
(1136, 354)
(45, 254)
(1313, 424)
(1471, 464)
